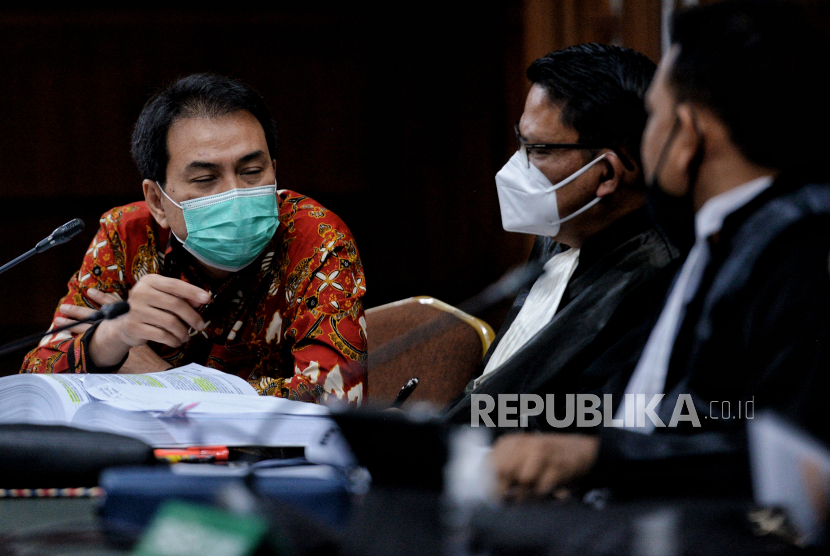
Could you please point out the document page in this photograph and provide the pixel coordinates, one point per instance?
(190, 378)
(141, 398)
(70, 391)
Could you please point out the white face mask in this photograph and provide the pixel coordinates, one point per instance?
(528, 200)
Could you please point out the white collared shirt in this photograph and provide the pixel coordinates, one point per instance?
(649, 376)
(538, 309)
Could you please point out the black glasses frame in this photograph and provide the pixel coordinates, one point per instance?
(524, 146)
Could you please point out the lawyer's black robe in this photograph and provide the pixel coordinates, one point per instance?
(758, 330)
(595, 338)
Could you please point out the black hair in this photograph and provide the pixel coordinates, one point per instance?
(758, 66)
(600, 90)
(201, 95)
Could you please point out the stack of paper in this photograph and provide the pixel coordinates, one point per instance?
(191, 405)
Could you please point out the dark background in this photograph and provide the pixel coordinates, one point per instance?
(395, 118)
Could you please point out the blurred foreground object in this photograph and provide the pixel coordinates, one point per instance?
(53, 456)
(791, 471)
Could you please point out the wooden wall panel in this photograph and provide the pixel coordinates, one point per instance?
(551, 25)
(641, 24)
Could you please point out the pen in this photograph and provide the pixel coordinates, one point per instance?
(405, 392)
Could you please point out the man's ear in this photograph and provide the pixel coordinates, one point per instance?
(612, 171)
(153, 194)
(687, 141)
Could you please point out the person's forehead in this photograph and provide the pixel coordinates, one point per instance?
(541, 120)
(210, 136)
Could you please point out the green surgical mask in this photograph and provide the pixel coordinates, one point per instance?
(229, 230)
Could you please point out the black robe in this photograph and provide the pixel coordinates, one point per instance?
(755, 336)
(594, 340)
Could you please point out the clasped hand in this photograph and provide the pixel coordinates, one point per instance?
(541, 464)
(162, 310)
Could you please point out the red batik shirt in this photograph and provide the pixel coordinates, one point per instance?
(291, 323)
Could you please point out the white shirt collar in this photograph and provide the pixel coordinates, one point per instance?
(709, 219)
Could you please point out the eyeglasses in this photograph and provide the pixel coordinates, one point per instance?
(525, 148)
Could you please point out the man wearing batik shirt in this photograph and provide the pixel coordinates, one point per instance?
(219, 267)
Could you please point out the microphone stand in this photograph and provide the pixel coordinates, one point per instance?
(18, 260)
(107, 312)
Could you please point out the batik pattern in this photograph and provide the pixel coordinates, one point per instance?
(291, 323)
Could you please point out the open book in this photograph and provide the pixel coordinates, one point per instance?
(187, 406)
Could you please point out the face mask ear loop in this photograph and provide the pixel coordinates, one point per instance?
(578, 173)
(580, 211)
(696, 161)
(574, 176)
(163, 192)
(661, 160)
(175, 203)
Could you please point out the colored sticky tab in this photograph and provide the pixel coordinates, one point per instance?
(193, 454)
(183, 529)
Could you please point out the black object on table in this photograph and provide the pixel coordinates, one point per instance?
(56, 456)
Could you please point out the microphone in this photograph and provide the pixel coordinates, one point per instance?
(62, 234)
(107, 312)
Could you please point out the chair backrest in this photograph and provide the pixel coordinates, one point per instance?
(425, 338)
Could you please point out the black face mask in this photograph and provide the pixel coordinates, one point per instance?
(674, 215)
